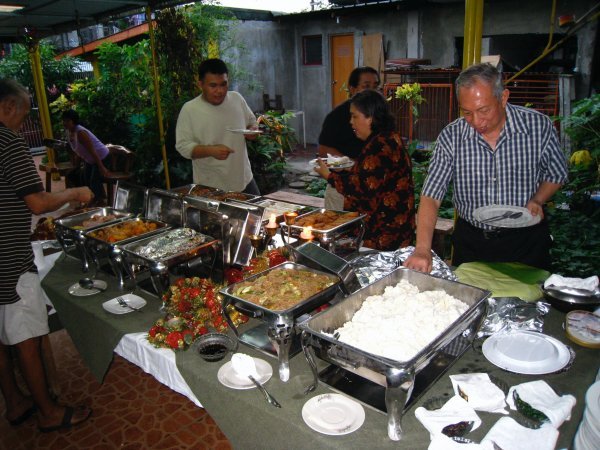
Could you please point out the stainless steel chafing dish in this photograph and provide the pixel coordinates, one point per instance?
(397, 377)
(164, 206)
(158, 266)
(280, 324)
(130, 197)
(71, 234)
(211, 223)
(276, 207)
(99, 248)
(342, 238)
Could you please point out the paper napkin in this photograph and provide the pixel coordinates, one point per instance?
(543, 398)
(480, 392)
(454, 411)
(509, 435)
(589, 284)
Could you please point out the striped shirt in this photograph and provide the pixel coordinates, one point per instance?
(527, 154)
(18, 178)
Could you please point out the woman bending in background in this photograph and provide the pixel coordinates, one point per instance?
(93, 152)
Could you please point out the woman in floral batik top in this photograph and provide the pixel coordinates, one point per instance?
(380, 183)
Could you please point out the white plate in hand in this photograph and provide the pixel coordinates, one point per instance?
(526, 352)
(230, 378)
(334, 163)
(113, 306)
(333, 414)
(243, 131)
(484, 213)
(79, 291)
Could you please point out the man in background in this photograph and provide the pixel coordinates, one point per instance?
(23, 315)
(337, 137)
(210, 129)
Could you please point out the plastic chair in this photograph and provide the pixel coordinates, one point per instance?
(120, 162)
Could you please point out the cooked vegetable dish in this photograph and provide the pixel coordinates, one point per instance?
(326, 220)
(124, 230)
(280, 289)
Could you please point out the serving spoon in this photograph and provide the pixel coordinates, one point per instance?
(88, 283)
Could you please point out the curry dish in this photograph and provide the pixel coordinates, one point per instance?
(123, 230)
(281, 289)
(326, 220)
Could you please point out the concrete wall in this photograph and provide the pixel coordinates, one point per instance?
(274, 48)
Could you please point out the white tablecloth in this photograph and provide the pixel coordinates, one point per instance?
(158, 362)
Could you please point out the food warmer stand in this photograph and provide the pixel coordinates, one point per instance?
(396, 380)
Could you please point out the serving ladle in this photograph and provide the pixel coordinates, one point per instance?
(88, 283)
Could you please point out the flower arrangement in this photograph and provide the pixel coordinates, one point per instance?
(411, 93)
(192, 305)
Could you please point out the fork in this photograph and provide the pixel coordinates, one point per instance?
(124, 304)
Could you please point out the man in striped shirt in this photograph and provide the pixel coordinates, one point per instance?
(496, 154)
(23, 316)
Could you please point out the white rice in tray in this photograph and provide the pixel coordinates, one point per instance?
(400, 322)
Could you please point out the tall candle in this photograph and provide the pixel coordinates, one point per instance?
(272, 223)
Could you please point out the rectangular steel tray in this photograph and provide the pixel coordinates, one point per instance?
(70, 234)
(276, 207)
(396, 376)
(304, 306)
(324, 233)
(98, 248)
(131, 251)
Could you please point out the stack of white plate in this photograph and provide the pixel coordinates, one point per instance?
(588, 434)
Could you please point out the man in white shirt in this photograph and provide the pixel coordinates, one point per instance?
(204, 132)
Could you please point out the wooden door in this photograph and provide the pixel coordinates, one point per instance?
(342, 63)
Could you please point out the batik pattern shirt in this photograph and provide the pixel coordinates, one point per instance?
(380, 185)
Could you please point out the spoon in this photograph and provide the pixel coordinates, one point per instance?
(245, 366)
(88, 283)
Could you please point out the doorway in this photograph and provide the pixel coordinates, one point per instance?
(342, 63)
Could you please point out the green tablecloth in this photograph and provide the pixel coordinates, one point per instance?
(95, 332)
(246, 418)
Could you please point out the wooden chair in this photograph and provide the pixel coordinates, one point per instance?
(120, 162)
(59, 169)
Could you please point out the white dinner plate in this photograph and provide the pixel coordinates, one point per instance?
(243, 131)
(230, 378)
(489, 211)
(112, 305)
(526, 352)
(333, 164)
(79, 291)
(333, 414)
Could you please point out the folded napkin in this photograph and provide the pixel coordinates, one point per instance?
(543, 398)
(454, 411)
(441, 442)
(481, 393)
(509, 435)
(589, 284)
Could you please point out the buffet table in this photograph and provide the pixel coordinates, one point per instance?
(243, 415)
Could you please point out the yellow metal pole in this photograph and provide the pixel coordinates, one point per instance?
(161, 130)
(40, 94)
(478, 31)
(468, 33)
